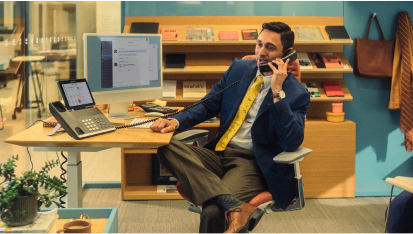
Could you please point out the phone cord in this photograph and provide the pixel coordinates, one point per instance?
(190, 107)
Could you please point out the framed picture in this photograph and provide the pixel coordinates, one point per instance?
(160, 175)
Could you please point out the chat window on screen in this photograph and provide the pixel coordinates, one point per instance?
(129, 61)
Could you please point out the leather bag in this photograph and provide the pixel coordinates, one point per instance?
(373, 58)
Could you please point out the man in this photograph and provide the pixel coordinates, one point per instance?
(237, 164)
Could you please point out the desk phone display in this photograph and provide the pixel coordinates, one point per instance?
(81, 122)
(151, 107)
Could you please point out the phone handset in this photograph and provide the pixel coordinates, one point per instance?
(289, 54)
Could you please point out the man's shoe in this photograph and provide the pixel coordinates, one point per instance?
(242, 218)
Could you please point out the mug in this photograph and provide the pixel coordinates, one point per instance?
(77, 226)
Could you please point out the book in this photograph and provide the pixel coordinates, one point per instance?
(52, 122)
(304, 61)
(194, 89)
(228, 35)
(175, 61)
(332, 61)
(199, 34)
(333, 89)
(170, 34)
(144, 27)
(169, 88)
(337, 32)
(166, 189)
(308, 33)
(249, 34)
(42, 224)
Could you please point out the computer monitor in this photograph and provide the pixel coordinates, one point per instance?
(121, 68)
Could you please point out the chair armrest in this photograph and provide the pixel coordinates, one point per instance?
(190, 135)
(292, 157)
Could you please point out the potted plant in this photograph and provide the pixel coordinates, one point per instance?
(22, 196)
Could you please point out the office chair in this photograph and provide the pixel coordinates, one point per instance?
(402, 206)
(264, 200)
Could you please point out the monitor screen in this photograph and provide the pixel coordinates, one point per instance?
(121, 68)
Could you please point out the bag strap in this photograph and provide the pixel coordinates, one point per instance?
(368, 28)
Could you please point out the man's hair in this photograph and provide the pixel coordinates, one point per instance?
(287, 35)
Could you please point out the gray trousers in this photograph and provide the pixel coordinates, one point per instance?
(205, 174)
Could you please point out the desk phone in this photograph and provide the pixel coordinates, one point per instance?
(81, 122)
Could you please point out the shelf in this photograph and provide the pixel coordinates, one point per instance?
(147, 192)
(250, 42)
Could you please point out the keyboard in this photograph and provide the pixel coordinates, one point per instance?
(140, 120)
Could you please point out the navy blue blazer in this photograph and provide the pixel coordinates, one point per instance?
(278, 126)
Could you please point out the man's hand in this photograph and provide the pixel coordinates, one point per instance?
(164, 125)
(279, 74)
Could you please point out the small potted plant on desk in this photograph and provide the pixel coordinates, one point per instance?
(20, 197)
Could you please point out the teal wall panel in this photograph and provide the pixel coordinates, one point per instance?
(379, 143)
(380, 151)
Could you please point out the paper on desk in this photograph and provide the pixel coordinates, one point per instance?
(169, 88)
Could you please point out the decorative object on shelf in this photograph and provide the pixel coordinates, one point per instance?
(249, 34)
(160, 175)
(318, 60)
(373, 58)
(14, 187)
(337, 32)
(308, 33)
(170, 34)
(311, 89)
(337, 107)
(144, 27)
(199, 34)
(169, 88)
(304, 61)
(335, 117)
(194, 89)
(332, 61)
(228, 36)
(175, 61)
(333, 89)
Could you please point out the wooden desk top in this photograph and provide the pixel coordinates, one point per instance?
(121, 138)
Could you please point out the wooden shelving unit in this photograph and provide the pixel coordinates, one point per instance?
(208, 60)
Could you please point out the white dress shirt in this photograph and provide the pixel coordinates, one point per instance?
(242, 139)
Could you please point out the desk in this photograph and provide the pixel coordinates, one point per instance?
(142, 139)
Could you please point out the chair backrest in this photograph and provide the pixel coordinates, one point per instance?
(293, 67)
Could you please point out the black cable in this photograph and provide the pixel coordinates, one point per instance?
(63, 178)
(192, 106)
(30, 157)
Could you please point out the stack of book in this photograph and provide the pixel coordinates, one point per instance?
(42, 224)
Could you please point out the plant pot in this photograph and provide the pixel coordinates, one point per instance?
(28, 203)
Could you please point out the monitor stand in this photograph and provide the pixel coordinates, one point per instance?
(120, 111)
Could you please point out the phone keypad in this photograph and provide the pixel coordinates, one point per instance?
(95, 123)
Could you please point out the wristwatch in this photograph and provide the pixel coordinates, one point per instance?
(280, 95)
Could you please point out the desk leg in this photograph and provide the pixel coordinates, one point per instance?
(74, 180)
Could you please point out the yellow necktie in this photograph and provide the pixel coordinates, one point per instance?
(241, 113)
